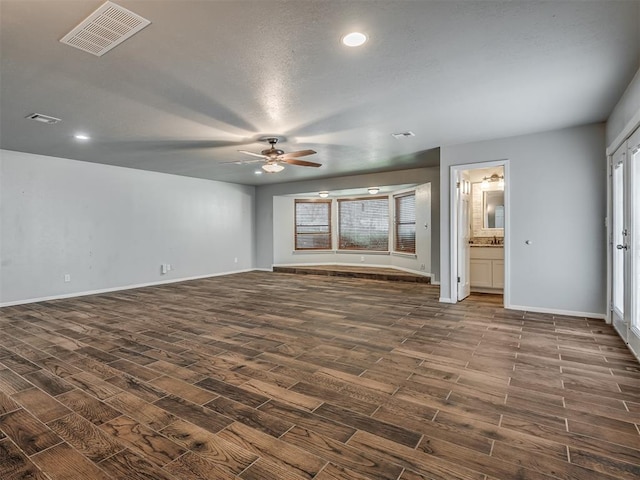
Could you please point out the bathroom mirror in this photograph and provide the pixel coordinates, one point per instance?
(493, 209)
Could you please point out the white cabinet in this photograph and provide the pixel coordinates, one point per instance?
(497, 270)
(487, 268)
(481, 272)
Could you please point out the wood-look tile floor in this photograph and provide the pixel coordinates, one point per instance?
(261, 376)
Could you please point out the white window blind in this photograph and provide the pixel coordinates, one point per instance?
(405, 223)
(363, 224)
(313, 225)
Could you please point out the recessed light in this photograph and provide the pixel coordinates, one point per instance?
(258, 172)
(354, 39)
(81, 136)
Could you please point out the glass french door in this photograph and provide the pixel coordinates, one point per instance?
(625, 239)
(633, 238)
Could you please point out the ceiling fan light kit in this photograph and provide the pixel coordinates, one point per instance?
(274, 157)
(272, 167)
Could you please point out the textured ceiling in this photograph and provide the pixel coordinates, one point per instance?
(208, 78)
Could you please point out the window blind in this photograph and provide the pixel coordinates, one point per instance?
(363, 224)
(313, 225)
(405, 223)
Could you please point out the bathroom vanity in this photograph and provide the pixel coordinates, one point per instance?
(487, 268)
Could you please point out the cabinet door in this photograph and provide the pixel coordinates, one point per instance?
(481, 273)
(498, 273)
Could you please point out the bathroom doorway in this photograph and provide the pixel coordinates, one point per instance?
(480, 229)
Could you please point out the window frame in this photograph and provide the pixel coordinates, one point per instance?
(329, 225)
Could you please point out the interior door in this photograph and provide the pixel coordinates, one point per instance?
(464, 234)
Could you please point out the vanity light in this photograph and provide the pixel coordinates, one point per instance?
(492, 179)
(272, 167)
(323, 194)
(373, 190)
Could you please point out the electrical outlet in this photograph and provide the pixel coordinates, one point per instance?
(163, 268)
(67, 278)
(362, 258)
(422, 267)
(235, 260)
(168, 267)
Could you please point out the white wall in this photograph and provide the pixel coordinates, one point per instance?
(558, 201)
(111, 227)
(284, 230)
(265, 205)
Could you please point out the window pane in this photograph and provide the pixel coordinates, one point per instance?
(364, 224)
(634, 188)
(406, 223)
(313, 225)
(618, 239)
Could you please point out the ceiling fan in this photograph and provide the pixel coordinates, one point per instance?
(274, 157)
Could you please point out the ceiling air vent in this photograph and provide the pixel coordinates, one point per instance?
(38, 117)
(104, 29)
(400, 135)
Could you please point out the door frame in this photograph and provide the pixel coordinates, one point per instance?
(453, 226)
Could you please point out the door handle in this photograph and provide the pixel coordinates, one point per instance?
(622, 247)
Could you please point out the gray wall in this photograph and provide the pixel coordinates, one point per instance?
(627, 109)
(265, 195)
(111, 227)
(558, 200)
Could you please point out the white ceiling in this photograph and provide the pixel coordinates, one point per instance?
(207, 78)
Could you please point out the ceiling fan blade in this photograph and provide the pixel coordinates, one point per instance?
(299, 153)
(246, 152)
(302, 163)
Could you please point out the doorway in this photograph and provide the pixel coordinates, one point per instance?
(479, 241)
(624, 245)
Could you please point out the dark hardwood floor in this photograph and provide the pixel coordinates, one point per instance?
(278, 376)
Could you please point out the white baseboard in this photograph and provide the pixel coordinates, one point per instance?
(116, 289)
(554, 311)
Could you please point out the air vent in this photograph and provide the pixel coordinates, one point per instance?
(400, 135)
(104, 29)
(38, 117)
